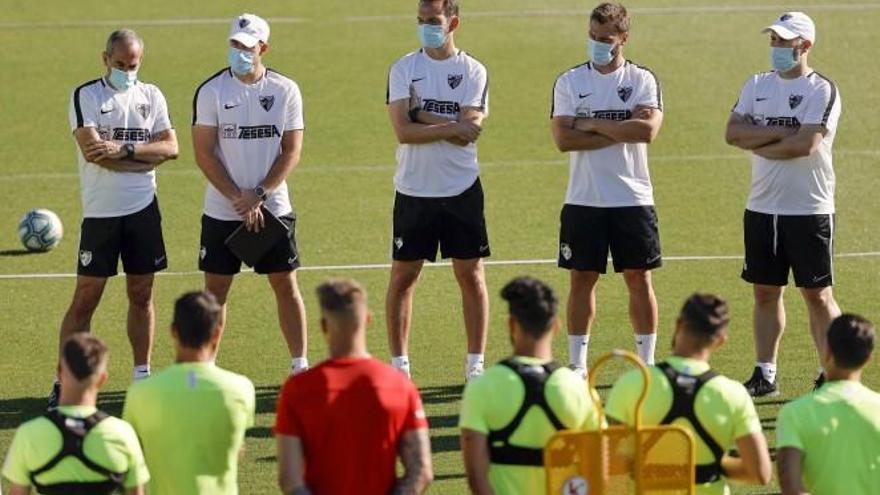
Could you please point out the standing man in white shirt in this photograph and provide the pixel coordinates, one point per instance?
(437, 99)
(123, 132)
(787, 118)
(247, 134)
(605, 113)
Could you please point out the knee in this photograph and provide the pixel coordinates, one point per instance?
(637, 280)
(583, 281)
(403, 281)
(768, 296)
(818, 298)
(471, 280)
(84, 305)
(140, 298)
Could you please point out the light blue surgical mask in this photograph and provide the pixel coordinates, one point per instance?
(431, 35)
(600, 53)
(782, 58)
(121, 79)
(240, 61)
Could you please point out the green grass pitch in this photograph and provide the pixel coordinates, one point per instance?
(339, 52)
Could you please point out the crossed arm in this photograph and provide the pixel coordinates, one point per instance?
(585, 134)
(773, 142)
(427, 128)
(110, 155)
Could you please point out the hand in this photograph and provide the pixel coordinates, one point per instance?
(457, 141)
(100, 150)
(254, 220)
(466, 131)
(247, 200)
(644, 113)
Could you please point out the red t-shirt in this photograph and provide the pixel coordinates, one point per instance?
(350, 415)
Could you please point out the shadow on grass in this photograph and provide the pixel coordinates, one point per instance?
(18, 252)
(14, 412)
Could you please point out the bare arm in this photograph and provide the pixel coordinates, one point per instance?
(802, 143)
(414, 450)
(409, 132)
(19, 489)
(753, 464)
(643, 127)
(568, 138)
(743, 132)
(138, 490)
(475, 450)
(204, 143)
(96, 150)
(291, 466)
(789, 463)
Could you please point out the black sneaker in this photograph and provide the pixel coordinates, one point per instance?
(820, 380)
(758, 386)
(54, 396)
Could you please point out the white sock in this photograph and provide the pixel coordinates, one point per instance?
(769, 371)
(474, 360)
(645, 345)
(401, 363)
(577, 350)
(298, 365)
(140, 372)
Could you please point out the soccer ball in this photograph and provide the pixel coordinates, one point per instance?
(40, 230)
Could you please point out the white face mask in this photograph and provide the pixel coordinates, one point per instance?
(122, 80)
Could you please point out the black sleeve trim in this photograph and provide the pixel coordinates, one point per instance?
(553, 94)
(76, 104)
(656, 82)
(196, 95)
(831, 100)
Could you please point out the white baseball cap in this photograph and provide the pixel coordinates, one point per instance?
(249, 29)
(791, 25)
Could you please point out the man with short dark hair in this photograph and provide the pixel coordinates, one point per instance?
(685, 391)
(509, 413)
(75, 448)
(123, 133)
(191, 417)
(342, 425)
(437, 99)
(605, 113)
(829, 440)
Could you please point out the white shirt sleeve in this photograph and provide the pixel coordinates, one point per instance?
(83, 110)
(293, 119)
(746, 103)
(562, 100)
(649, 92)
(477, 92)
(162, 122)
(398, 82)
(820, 106)
(205, 107)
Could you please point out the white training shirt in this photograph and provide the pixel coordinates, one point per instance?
(250, 119)
(797, 186)
(131, 116)
(443, 87)
(616, 175)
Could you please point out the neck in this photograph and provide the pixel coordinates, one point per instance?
(252, 76)
(691, 352)
(800, 70)
(74, 396)
(541, 349)
(444, 52)
(203, 355)
(348, 346)
(612, 66)
(838, 374)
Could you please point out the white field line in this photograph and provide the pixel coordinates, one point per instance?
(385, 266)
(194, 21)
(171, 169)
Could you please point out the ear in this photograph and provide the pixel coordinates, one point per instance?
(624, 37)
(102, 379)
(106, 59)
(720, 340)
(324, 328)
(369, 318)
(554, 327)
(453, 23)
(264, 47)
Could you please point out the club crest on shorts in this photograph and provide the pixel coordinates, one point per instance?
(266, 102)
(565, 251)
(143, 109)
(398, 242)
(85, 258)
(454, 80)
(624, 92)
(576, 485)
(795, 100)
(203, 251)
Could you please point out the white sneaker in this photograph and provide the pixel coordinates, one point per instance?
(580, 370)
(473, 372)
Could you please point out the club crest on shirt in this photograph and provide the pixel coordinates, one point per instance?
(454, 80)
(143, 109)
(228, 130)
(795, 100)
(624, 92)
(266, 102)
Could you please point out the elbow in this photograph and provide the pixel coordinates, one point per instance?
(427, 476)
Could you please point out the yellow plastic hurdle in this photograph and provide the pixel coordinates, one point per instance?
(619, 459)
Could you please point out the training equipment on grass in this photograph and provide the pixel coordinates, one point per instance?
(40, 230)
(621, 459)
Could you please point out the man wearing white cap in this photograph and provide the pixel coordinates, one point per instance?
(247, 132)
(787, 118)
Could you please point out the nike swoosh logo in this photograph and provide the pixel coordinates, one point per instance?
(651, 260)
(818, 279)
(584, 95)
(159, 260)
(105, 111)
(760, 99)
(228, 106)
(417, 80)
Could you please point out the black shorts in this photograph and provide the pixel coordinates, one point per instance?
(587, 233)
(136, 238)
(215, 257)
(454, 223)
(776, 243)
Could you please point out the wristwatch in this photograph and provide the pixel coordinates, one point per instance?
(261, 193)
(129, 150)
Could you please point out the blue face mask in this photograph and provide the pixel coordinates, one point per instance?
(600, 53)
(431, 35)
(121, 79)
(782, 59)
(241, 62)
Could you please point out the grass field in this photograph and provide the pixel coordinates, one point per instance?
(339, 52)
